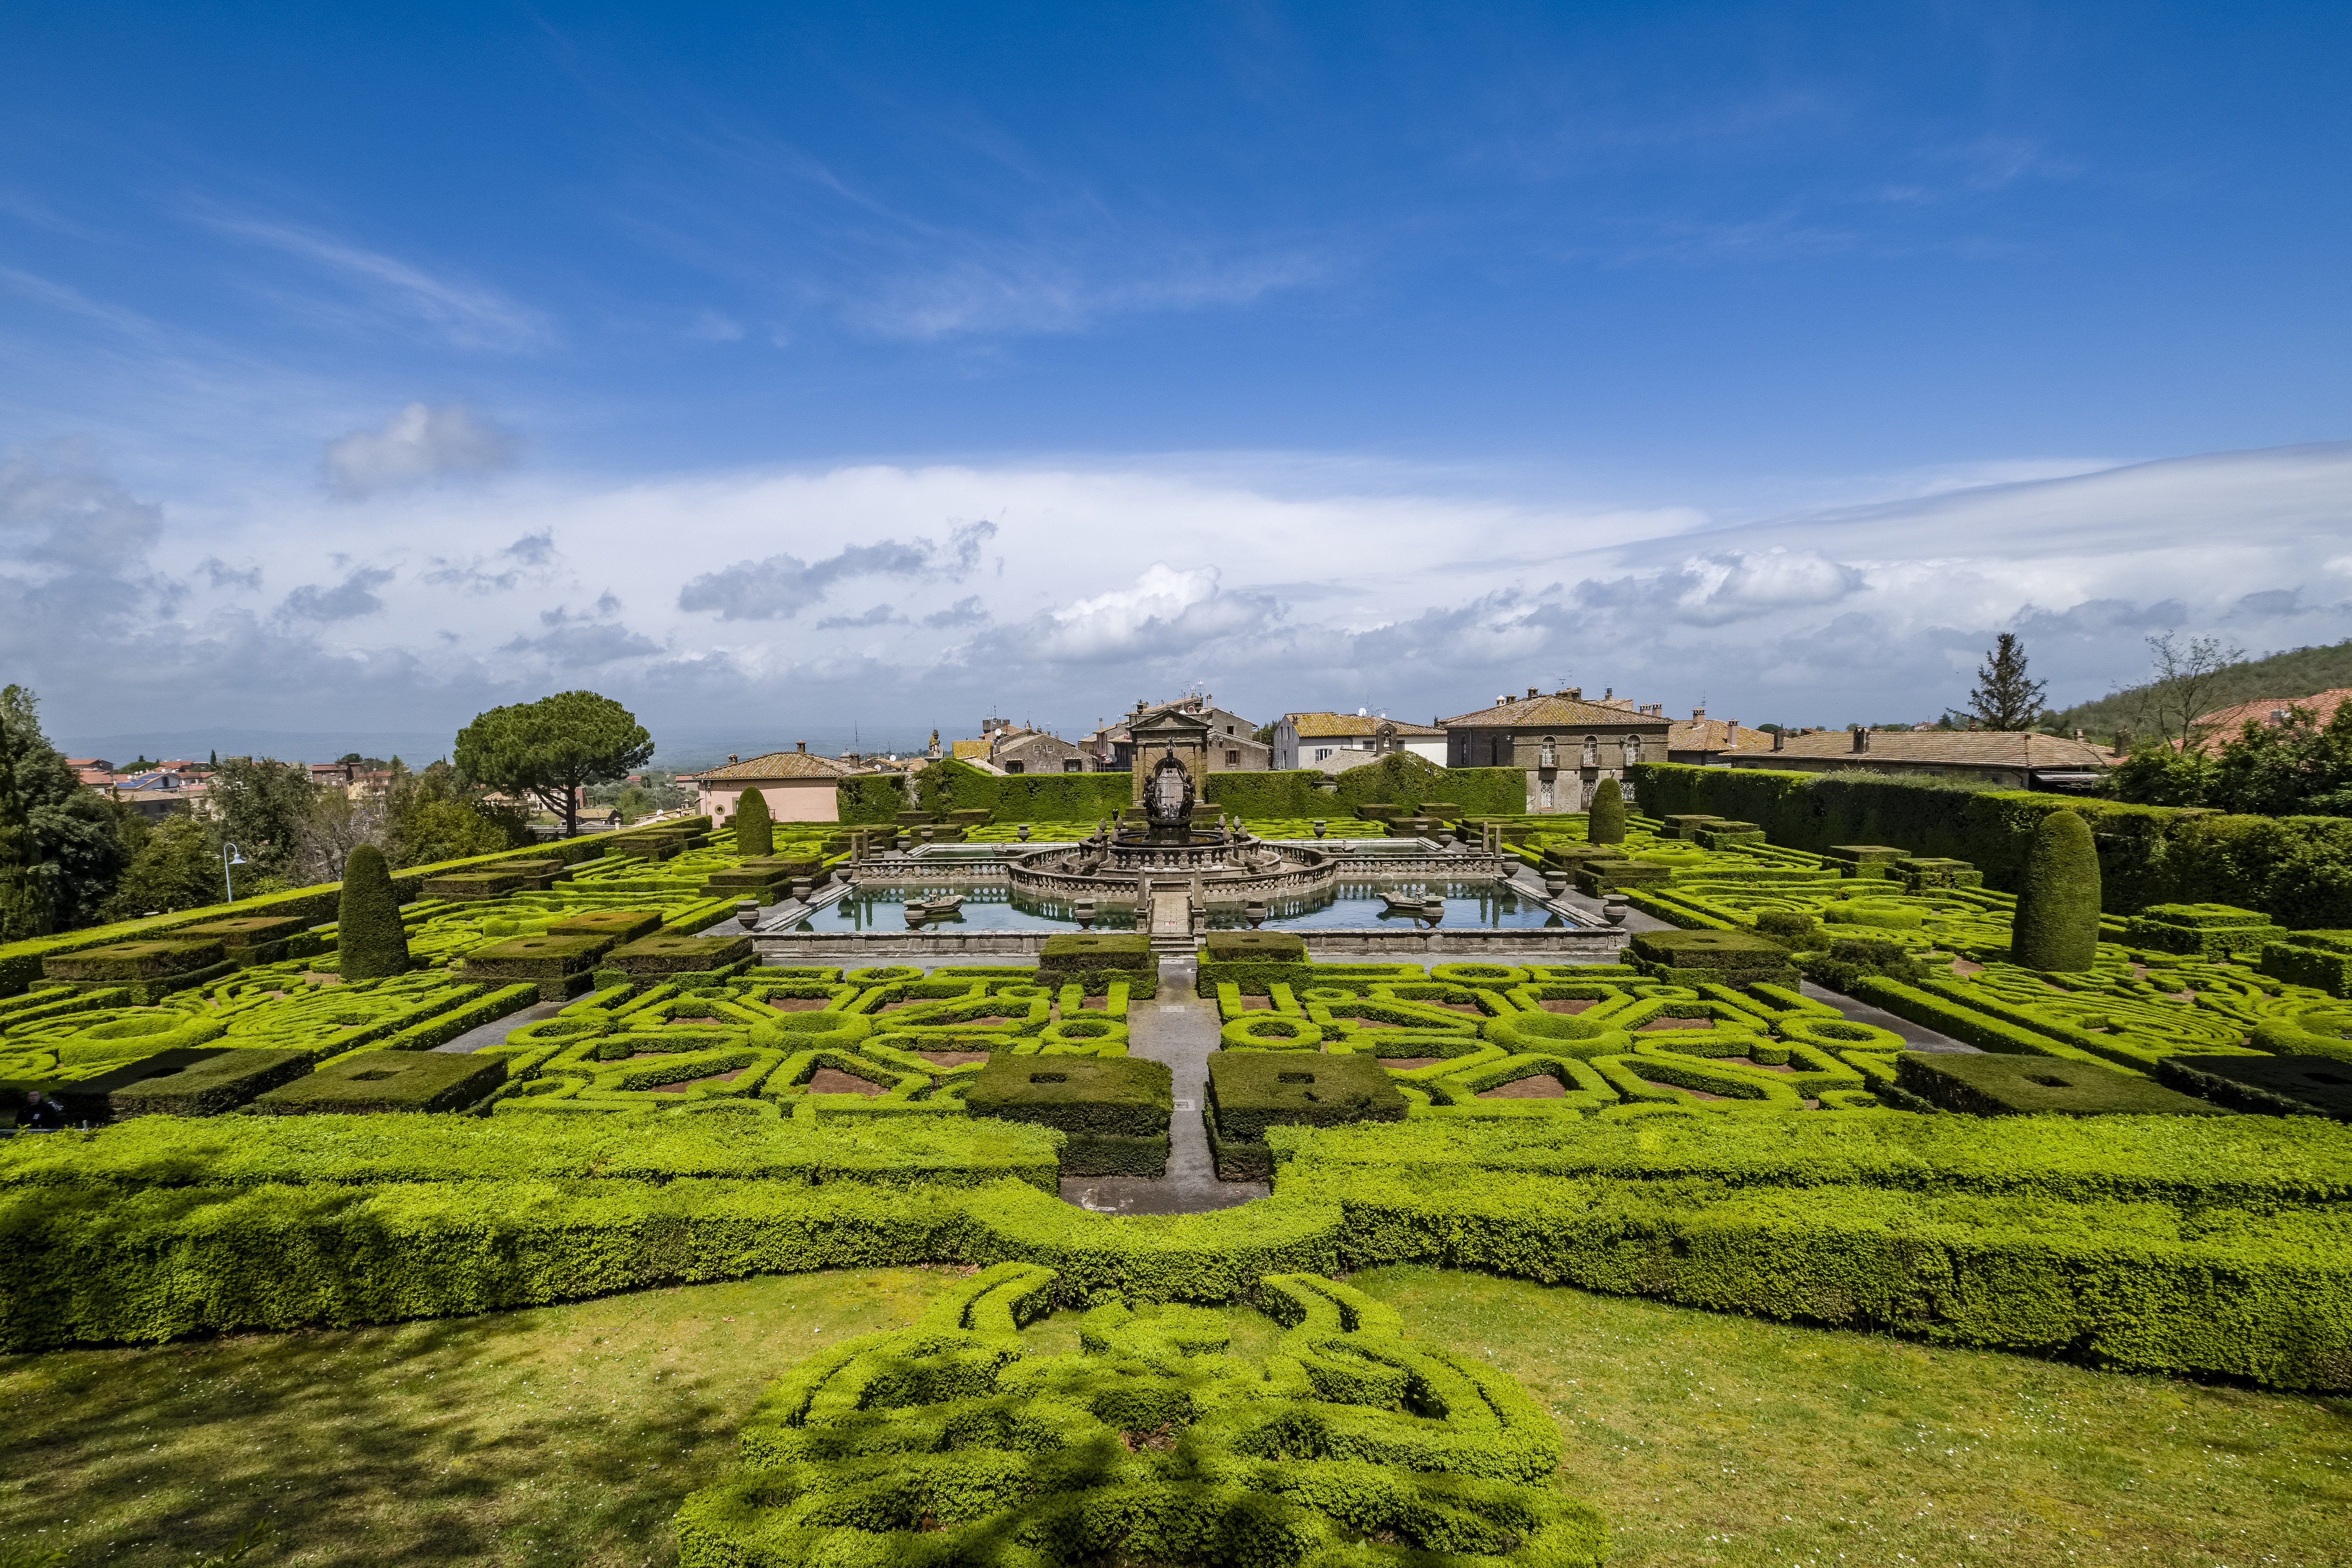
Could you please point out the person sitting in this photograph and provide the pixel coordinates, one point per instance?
(40, 1113)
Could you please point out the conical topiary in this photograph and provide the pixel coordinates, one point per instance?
(755, 830)
(1604, 822)
(369, 938)
(2057, 928)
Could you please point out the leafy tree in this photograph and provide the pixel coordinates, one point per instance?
(439, 815)
(263, 807)
(2297, 768)
(549, 750)
(2189, 677)
(369, 941)
(2005, 697)
(178, 866)
(2057, 925)
(755, 830)
(61, 845)
(2157, 775)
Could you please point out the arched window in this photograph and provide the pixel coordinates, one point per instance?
(1632, 750)
(1550, 753)
(1592, 751)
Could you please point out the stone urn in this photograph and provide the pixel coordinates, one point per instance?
(1321, 827)
(1255, 914)
(1084, 911)
(1613, 911)
(747, 913)
(1555, 884)
(1024, 831)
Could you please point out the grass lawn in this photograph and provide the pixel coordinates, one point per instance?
(567, 1435)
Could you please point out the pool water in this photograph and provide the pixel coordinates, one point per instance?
(1482, 904)
(984, 909)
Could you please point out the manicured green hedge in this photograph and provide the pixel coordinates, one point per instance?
(1984, 1084)
(2260, 1295)
(946, 1434)
(20, 961)
(372, 1081)
(2295, 869)
(357, 1152)
(2183, 1161)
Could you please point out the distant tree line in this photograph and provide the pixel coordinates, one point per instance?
(71, 855)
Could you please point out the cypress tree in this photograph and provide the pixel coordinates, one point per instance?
(1605, 822)
(755, 830)
(369, 936)
(2057, 929)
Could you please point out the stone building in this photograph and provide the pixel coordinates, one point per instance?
(798, 785)
(1564, 744)
(1350, 739)
(1230, 741)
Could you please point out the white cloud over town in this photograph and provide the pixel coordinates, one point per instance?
(1080, 588)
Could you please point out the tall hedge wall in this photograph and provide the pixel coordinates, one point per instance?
(2296, 869)
(870, 799)
(951, 785)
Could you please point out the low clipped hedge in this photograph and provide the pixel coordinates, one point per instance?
(1989, 1085)
(2259, 1295)
(374, 1082)
(2266, 1086)
(1114, 1110)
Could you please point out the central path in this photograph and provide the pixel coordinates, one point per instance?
(1179, 1029)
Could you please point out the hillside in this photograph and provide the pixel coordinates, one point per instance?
(2298, 672)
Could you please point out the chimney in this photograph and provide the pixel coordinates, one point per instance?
(1608, 694)
(1575, 692)
(799, 745)
(1862, 739)
(1698, 712)
(733, 758)
(1780, 739)
(1731, 736)
(1532, 691)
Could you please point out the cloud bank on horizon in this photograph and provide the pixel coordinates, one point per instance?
(784, 372)
(901, 597)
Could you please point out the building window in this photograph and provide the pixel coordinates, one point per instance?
(1550, 756)
(1632, 750)
(1233, 759)
(1322, 753)
(1016, 767)
(1547, 795)
(1592, 751)
(1072, 766)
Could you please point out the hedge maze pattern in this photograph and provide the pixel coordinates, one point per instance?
(943, 1443)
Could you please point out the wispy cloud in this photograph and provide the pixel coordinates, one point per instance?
(465, 315)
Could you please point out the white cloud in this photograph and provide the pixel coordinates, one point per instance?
(1284, 584)
(414, 444)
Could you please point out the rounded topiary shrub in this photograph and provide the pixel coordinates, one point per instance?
(2057, 928)
(369, 942)
(755, 829)
(1604, 822)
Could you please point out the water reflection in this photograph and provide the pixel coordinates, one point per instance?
(1482, 904)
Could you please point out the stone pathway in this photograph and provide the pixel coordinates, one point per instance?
(1179, 1029)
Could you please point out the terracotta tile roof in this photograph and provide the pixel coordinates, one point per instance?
(1554, 712)
(2223, 724)
(781, 765)
(1714, 735)
(1966, 747)
(1322, 726)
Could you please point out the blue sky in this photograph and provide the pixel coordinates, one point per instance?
(779, 370)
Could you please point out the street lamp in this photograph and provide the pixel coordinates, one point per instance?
(230, 856)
